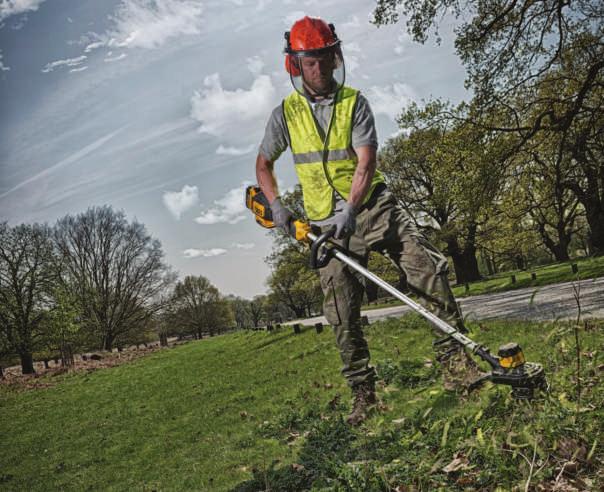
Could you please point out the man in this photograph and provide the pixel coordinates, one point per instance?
(331, 132)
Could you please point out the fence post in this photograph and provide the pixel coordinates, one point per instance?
(364, 321)
(533, 276)
(297, 330)
(574, 267)
(319, 327)
(467, 287)
(513, 279)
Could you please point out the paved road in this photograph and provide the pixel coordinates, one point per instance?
(556, 301)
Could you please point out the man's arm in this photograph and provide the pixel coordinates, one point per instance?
(266, 178)
(363, 175)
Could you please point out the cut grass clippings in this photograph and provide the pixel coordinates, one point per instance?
(264, 411)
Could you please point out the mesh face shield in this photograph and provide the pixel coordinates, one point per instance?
(317, 72)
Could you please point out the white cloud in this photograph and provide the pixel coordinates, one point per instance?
(229, 209)
(3, 67)
(352, 63)
(293, 17)
(115, 58)
(222, 150)
(13, 7)
(255, 64)
(352, 47)
(80, 69)
(244, 245)
(68, 62)
(195, 253)
(178, 202)
(149, 23)
(94, 46)
(390, 99)
(222, 111)
(403, 40)
(354, 22)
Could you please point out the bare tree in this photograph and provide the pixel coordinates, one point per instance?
(115, 269)
(26, 277)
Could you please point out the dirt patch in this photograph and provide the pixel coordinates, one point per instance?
(85, 363)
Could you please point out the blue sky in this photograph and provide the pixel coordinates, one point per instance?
(158, 107)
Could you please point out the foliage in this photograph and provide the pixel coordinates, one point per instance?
(26, 278)
(537, 71)
(62, 330)
(197, 307)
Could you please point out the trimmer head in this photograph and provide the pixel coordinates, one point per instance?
(511, 368)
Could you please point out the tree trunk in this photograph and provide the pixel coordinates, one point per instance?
(27, 363)
(595, 219)
(371, 290)
(465, 263)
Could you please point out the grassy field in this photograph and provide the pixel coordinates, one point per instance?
(263, 411)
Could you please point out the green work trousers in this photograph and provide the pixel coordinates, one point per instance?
(383, 226)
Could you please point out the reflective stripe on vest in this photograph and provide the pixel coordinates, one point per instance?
(323, 166)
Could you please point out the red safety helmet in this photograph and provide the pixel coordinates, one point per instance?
(311, 36)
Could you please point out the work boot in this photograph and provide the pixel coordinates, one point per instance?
(364, 399)
(460, 372)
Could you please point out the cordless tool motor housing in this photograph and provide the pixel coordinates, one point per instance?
(257, 202)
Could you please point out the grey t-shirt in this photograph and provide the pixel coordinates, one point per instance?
(276, 136)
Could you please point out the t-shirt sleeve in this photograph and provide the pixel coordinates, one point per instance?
(363, 124)
(276, 136)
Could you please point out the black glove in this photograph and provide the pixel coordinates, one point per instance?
(281, 215)
(345, 221)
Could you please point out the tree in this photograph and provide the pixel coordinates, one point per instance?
(446, 175)
(257, 310)
(114, 269)
(62, 329)
(293, 282)
(198, 307)
(26, 279)
(539, 68)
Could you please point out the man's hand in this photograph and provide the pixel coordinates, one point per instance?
(281, 214)
(345, 221)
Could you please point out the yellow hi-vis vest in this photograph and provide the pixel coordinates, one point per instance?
(323, 167)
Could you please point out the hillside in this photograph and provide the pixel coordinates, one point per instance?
(262, 411)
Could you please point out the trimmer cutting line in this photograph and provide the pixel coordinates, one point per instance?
(509, 367)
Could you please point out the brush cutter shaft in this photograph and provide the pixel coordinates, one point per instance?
(439, 323)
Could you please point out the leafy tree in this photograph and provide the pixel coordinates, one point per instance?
(446, 175)
(535, 68)
(26, 279)
(257, 310)
(62, 328)
(198, 307)
(114, 269)
(241, 311)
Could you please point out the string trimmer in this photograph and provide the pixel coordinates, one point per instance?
(508, 367)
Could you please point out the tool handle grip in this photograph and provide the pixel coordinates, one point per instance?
(319, 255)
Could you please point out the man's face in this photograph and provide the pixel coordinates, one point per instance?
(318, 72)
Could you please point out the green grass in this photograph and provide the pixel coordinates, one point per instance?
(550, 274)
(236, 412)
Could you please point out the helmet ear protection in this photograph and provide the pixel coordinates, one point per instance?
(292, 66)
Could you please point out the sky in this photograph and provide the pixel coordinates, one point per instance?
(157, 108)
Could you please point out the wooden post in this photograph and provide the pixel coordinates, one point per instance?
(467, 287)
(533, 276)
(364, 321)
(297, 329)
(319, 327)
(46, 366)
(513, 279)
(574, 267)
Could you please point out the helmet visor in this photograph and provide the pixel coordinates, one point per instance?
(317, 74)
